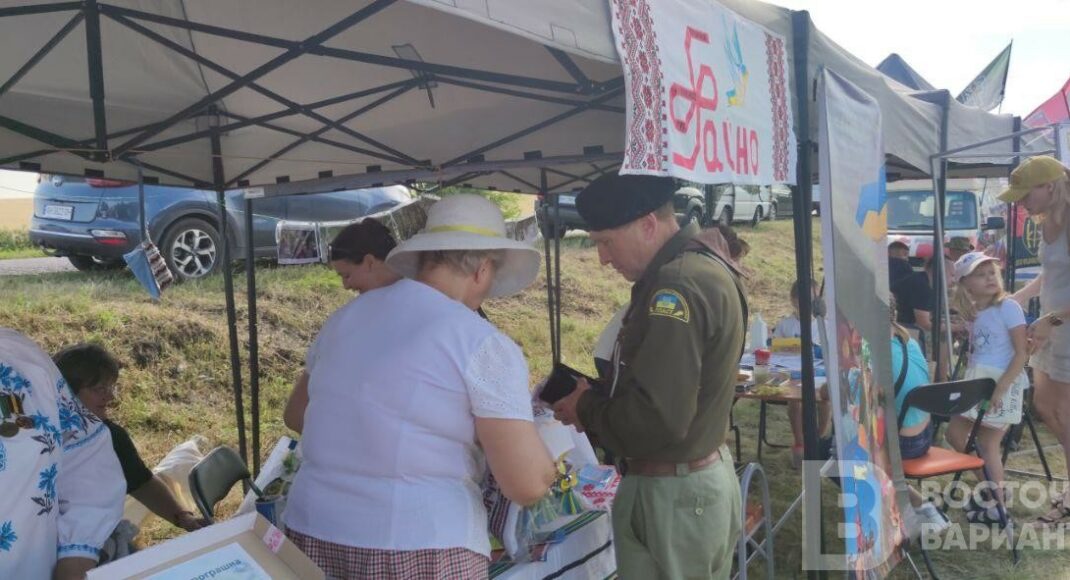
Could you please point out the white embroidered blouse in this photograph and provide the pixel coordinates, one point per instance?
(61, 487)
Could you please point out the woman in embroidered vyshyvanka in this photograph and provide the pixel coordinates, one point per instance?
(61, 488)
(411, 396)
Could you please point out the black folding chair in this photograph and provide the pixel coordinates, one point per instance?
(212, 478)
(947, 400)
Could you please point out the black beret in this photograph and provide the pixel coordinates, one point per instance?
(613, 200)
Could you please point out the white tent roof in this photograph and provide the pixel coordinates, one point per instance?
(458, 90)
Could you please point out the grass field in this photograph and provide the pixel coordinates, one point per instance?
(15, 243)
(175, 383)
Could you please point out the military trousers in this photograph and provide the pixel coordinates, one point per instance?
(678, 527)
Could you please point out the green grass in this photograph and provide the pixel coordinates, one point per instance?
(16, 244)
(176, 377)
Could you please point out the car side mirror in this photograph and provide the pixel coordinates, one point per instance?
(995, 223)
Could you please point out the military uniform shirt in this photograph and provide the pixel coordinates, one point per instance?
(679, 354)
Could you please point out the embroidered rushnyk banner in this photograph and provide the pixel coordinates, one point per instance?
(707, 94)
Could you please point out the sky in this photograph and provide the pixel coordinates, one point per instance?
(947, 41)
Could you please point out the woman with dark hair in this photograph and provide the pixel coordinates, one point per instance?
(358, 254)
(92, 374)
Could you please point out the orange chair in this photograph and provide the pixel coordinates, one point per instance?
(948, 400)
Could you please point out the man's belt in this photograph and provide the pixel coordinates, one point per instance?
(654, 468)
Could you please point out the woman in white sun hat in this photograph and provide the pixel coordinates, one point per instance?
(411, 396)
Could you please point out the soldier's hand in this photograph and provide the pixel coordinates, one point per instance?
(565, 409)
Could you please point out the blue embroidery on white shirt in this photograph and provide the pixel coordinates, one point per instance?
(7, 536)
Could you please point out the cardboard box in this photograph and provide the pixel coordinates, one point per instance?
(245, 547)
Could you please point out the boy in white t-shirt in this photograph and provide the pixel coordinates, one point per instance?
(791, 327)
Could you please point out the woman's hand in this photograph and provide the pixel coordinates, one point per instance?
(1040, 333)
(188, 521)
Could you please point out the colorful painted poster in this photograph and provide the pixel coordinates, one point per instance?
(707, 94)
(854, 226)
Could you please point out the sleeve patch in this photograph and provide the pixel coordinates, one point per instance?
(671, 304)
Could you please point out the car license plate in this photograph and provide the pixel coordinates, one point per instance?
(59, 212)
(566, 199)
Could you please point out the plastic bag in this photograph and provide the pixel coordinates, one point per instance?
(275, 477)
(173, 470)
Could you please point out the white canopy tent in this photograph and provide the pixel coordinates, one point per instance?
(302, 97)
(374, 91)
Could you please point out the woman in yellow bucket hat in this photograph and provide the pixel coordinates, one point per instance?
(1042, 185)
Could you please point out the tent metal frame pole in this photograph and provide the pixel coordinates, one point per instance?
(247, 121)
(95, 66)
(533, 128)
(228, 290)
(47, 137)
(272, 65)
(940, 310)
(295, 108)
(43, 52)
(570, 67)
(1012, 228)
(318, 139)
(254, 339)
(344, 119)
(802, 201)
(557, 279)
(1020, 133)
(39, 9)
(548, 230)
(523, 95)
(356, 56)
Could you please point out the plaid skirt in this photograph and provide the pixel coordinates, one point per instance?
(350, 563)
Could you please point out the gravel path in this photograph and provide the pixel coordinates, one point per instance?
(34, 266)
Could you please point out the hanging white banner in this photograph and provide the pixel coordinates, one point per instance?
(707, 94)
(854, 232)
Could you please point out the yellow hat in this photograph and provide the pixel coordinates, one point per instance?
(1033, 172)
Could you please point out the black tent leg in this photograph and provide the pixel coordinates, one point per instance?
(228, 289)
(254, 342)
(549, 229)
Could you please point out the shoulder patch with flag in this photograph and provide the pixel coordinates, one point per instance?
(670, 303)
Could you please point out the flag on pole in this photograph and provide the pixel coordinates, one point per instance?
(986, 91)
(1054, 110)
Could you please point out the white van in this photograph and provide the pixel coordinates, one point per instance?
(737, 203)
(912, 207)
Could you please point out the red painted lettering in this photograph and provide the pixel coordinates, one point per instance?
(695, 100)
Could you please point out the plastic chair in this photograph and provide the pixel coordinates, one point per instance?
(213, 477)
(948, 400)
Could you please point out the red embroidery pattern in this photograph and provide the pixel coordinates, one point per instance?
(774, 57)
(646, 143)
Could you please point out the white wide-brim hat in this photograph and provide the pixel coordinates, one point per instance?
(469, 222)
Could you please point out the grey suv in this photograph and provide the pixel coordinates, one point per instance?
(93, 222)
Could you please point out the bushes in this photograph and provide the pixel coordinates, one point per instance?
(12, 240)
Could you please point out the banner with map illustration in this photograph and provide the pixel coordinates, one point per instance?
(707, 94)
(854, 227)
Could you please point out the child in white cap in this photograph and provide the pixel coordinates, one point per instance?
(999, 349)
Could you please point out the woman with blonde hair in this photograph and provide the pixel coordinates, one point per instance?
(1042, 185)
(412, 396)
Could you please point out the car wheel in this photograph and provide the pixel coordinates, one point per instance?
(94, 264)
(757, 217)
(772, 213)
(695, 216)
(192, 249)
(726, 216)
